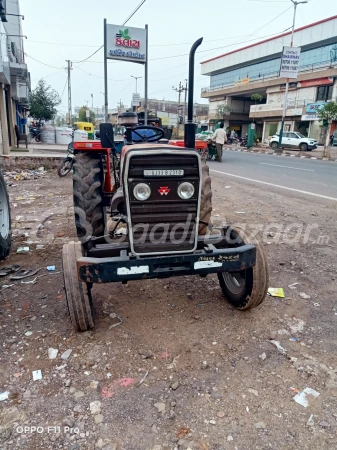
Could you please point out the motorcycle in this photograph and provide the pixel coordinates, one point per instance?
(234, 141)
(244, 142)
(35, 133)
(67, 164)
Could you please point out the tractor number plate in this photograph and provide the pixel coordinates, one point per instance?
(163, 173)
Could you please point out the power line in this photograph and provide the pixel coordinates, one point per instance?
(86, 59)
(53, 67)
(100, 48)
(65, 84)
(134, 12)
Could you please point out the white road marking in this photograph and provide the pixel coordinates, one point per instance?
(275, 185)
(288, 167)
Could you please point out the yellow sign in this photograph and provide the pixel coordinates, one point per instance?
(243, 81)
(165, 121)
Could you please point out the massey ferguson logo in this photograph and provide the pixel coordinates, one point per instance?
(124, 40)
(164, 190)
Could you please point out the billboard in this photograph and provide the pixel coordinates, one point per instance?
(290, 62)
(126, 43)
(312, 108)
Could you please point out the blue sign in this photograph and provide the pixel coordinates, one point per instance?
(312, 108)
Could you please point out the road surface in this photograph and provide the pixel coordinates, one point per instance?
(299, 176)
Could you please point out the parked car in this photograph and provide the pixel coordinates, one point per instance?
(294, 140)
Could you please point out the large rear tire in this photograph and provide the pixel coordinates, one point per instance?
(5, 220)
(248, 288)
(206, 200)
(78, 294)
(88, 196)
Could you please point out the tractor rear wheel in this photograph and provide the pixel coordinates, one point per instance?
(78, 293)
(247, 288)
(206, 200)
(5, 220)
(88, 196)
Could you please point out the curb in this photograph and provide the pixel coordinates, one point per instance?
(266, 152)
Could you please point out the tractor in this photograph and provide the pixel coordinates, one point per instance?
(147, 214)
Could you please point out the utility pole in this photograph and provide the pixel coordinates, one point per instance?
(69, 92)
(185, 89)
(92, 101)
(179, 89)
(285, 103)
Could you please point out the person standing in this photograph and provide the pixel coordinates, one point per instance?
(220, 139)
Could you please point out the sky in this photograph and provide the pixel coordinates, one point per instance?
(73, 30)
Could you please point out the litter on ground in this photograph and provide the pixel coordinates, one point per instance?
(276, 292)
(37, 375)
(302, 397)
(278, 346)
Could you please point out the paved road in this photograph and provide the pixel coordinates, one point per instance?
(297, 175)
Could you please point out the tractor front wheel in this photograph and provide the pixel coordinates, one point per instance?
(88, 196)
(247, 288)
(78, 293)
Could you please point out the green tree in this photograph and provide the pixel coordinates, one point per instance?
(327, 114)
(43, 102)
(82, 115)
(222, 110)
(257, 98)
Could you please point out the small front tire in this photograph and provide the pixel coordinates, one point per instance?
(247, 288)
(303, 147)
(274, 145)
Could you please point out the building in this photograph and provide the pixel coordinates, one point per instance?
(237, 75)
(14, 76)
(174, 109)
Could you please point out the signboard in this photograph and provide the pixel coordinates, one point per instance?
(87, 113)
(310, 117)
(126, 43)
(290, 62)
(316, 82)
(135, 100)
(294, 112)
(243, 81)
(312, 108)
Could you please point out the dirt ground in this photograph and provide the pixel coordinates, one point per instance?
(214, 380)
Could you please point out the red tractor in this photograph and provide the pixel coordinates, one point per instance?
(158, 200)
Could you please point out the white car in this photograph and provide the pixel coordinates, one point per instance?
(294, 140)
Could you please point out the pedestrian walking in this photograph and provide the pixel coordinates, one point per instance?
(220, 139)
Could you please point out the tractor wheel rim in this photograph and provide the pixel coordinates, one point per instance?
(235, 282)
(4, 212)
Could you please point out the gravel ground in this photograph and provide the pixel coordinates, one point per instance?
(211, 378)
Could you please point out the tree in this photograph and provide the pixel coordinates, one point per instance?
(256, 98)
(43, 102)
(222, 110)
(327, 114)
(82, 115)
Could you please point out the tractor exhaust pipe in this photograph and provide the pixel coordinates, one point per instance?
(189, 140)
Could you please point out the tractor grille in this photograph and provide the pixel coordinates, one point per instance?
(163, 223)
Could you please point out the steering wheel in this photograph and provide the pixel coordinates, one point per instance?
(158, 133)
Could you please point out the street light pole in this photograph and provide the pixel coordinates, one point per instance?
(136, 78)
(285, 103)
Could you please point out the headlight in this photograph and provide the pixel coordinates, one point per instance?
(186, 190)
(142, 191)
